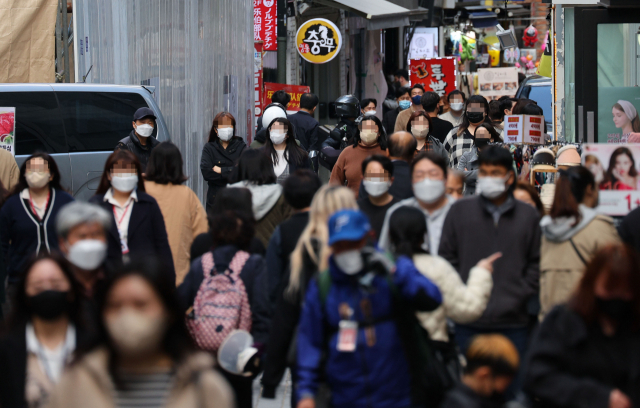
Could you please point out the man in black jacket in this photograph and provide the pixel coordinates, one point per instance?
(491, 222)
(439, 128)
(306, 127)
(389, 120)
(139, 141)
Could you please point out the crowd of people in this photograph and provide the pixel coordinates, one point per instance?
(421, 272)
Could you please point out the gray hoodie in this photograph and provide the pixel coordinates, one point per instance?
(562, 229)
(263, 197)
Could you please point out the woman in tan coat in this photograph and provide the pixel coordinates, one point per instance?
(184, 215)
(144, 355)
(572, 232)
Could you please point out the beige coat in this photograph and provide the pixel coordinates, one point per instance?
(460, 303)
(560, 266)
(88, 383)
(403, 118)
(9, 171)
(184, 218)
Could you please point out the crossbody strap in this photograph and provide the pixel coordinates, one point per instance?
(575, 248)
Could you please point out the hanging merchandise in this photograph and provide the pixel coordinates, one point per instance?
(530, 36)
(468, 45)
(511, 55)
(544, 68)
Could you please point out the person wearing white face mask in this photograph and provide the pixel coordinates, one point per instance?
(369, 107)
(82, 237)
(377, 177)
(220, 154)
(494, 221)
(370, 140)
(456, 104)
(27, 217)
(139, 141)
(350, 305)
(428, 176)
(283, 151)
(145, 344)
(138, 227)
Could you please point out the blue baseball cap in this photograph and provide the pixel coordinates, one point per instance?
(348, 225)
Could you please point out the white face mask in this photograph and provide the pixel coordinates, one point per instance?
(492, 187)
(376, 188)
(144, 130)
(420, 132)
(349, 262)
(457, 106)
(368, 137)
(370, 113)
(125, 183)
(225, 134)
(37, 179)
(429, 191)
(134, 333)
(87, 254)
(277, 136)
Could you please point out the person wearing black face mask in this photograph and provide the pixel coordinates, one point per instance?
(460, 139)
(586, 352)
(469, 164)
(44, 330)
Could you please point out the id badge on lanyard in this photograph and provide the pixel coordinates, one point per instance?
(123, 244)
(347, 330)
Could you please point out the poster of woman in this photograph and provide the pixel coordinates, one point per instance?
(625, 117)
(622, 173)
(618, 115)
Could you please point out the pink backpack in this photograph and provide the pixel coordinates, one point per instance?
(221, 304)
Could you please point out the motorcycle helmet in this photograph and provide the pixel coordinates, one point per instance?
(348, 106)
(271, 112)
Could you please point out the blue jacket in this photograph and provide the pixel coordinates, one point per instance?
(376, 376)
(24, 235)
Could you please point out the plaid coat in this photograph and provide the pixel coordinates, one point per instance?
(457, 145)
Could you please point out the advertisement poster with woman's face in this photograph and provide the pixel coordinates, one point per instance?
(618, 120)
(616, 171)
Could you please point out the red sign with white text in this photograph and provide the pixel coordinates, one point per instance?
(435, 74)
(295, 91)
(265, 23)
(257, 80)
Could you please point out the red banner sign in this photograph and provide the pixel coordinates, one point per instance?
(257, 80)
(265, 24)
(435, 74)
(295, 91)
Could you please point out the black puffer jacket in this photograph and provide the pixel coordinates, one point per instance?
(213, 154)
(132, 144)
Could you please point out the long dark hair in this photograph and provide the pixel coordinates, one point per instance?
(464, 125)
(492, 131)
(571, 187)
(520, 104)
(609, 177)
(407, 230)
(177, 343)
(255, 167)
(292, 152)
(126, 157)
(382, 135)
(213, 133)
(53, 171)
(20, 310)
(165, 165)
(620, 263)
(416, 115)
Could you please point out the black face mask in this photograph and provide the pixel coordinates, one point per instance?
(440, 110)
(49, 305)
(482, 142)
(475, 117)
(617, 309)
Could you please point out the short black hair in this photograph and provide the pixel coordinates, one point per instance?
(506, 102)
(433, 158)
(165, 165)
(281, 97)
(232, 228)
(367, 101)
(403, 90)
(495, 113)
(416, 86)
(496, 156)
(430, 101)
(309, 101)
(300, 188)
(384, 161)
(532, 109)
(255, 167)
(402, 73)
(456, 92)
(232, 198)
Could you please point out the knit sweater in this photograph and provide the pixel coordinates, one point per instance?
(348, 168)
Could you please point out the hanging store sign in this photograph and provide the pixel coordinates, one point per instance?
(435, 74)
(265, 24)
(497, 82)
(318, 41)
(294, 91)
(527, 129)
(257, 80)
(8, 129)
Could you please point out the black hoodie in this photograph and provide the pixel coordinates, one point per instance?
(132, 144)
(213, 154)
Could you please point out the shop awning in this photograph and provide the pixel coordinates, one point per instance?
(379, 14)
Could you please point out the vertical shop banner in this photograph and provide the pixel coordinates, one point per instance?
(265, 24)
(258, 55)
(8, 129)
(295, 91)
(615, 168)
(435, 74)
(497, 82)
